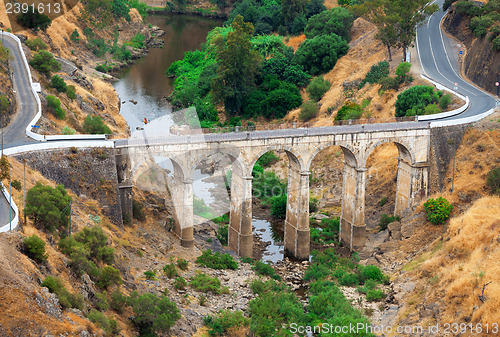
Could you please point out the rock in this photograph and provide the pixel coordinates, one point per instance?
(87, 108)
(48, 302)
(394, 229)
(464, 197)
(97, 103)
(23, 38)
(319, 216)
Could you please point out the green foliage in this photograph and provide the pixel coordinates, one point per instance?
(140, 6)
(71, 91)
(238, 64)
(386, 220)
(66, 299)
(36, 44)
(150, 274)
(375, 295)
(278, 206)
(337, 20)
(182, 264)
(95, 125)
(34, 247)
(493, 180)
(34, 20)
(327, 233)
(4, 168)
(382, 202)
(270, 46)
(265, 269)
(46, 206)
(268, 159)
(118, 301)
(313, 205)
(438, 210)
(58, 83)
(281, 100)
(222, 234)
(372, 272)
(98, 46)
(101, 301)
(388, 83)
(170, 270)
(308, 110)
(120, 9)
(317, 88)
(204, 283)
(284, 70)
(75, 36)
(54, 105)
(444, 101)
(349, 110)
(414, 100)
(266, 185)
(225, 320)
(403, 72)
(432, 109)
(216, 260)
(137, 41)
(16, 184)
(349, 279)
(180, 283)
(377, 72)
(108, 276)
(110, 326)
(319, 54)
(44, 62)
(447, 4)
(496, 43)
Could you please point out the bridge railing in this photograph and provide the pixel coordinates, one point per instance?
(282, 126)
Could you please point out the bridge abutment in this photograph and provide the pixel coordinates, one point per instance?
(123, 173)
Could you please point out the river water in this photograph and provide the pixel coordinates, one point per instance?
(143, 89)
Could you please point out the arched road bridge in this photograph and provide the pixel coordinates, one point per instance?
(412, 139)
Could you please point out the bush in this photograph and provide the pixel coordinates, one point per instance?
(374, 295)
(101, 302)
(225, 322)
(75, 36)
(66, 130)
(108, 276)
(317, 88)
(265, 269)
(45, 206)
(278, 206)
(138, 210)
(349, 279)
(170, 270)
(36, 44)
(222, 234)
(44, 62)
(403, 73)
(438, 210)
(105, 323)
(349, 110)
(493, 180)
(386, 220)
(308, 111)
(95, 125)
(496, 43)
(16, 184)
(182, 264)
(71, 91)
(414, 100)
(447, 4)
(388, 83)
(204, 283)
(371, 272)
(337, 20)
(34, 20)
(66, 299)
(268, 159)
(54, 105)
(320, 54)
(180, 283)
(118, 301)
(34, 247)
(431, 109)
(376, 73)
(444, 101)
(150, 274)
(58, 83)
(216, 260)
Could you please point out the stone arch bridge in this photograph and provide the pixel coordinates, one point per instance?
(301, 145)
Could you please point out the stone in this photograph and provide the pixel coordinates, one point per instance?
(394, 229)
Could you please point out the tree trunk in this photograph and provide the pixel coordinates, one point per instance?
(389, 51)
(404, 53)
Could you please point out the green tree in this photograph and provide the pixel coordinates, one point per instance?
(317, 88)
(75, 36)
(291, 9)
(319, 54)
(47, 206)
(337, 20)
(58, 83)
(238, 64)
(44, 62)
(34, 20)
(157, 312)
(413, 100)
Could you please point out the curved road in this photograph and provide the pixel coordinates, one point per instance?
(438, 56)
(437, 53)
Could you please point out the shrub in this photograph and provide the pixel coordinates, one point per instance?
(159, 313)
(313, 205)
(438, 210)
(66, 130)
(105, 323)
(349, 110)
(45, 206)
(34, 247)
(225, 322)
(170, 270)
(496, 43)
(376, 73)
(36, 44)
(95, 125)
(349, 279)
(447, 4)
(431, 109)
(182, 264)
(75, 36)
(386, 220)
(216, 260)
(138, 210)
(368, 285)
(403, 72)
(71, 91)
(278, 206)
(204, 283)
(44, 62)
(267, 159)
(413, 100)
(493, 180)
(308, 111)
(108, 276)
(336, 20)
(444, 101)
(262, 268)
(66, 299)
(150, 274)
(222, 234)
(180, 283)
(319, 54)
(54, 284)
(374, 295)
(58, 83)
(34, 20)
(54, 105)
(16, 184)
(388, 83)
(371, 272)
(382, 202)
(117, 301)
(101, 301)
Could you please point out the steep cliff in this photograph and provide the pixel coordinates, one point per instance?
(481, 62)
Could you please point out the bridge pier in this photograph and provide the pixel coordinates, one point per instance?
(412, 184)
(182, 196)
(297, 235)
(240, 237)
(352, 218)
(123, 173)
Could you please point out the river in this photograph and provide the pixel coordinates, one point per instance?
(143, 89)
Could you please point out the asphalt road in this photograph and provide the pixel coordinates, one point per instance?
(4, 210)
(439, 61)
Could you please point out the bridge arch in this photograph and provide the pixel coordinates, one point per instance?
(350, 154)
(405, 150)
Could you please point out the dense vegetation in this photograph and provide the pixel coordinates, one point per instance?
(48, 207)
(420, 100)
(253, 74)
(437, 210)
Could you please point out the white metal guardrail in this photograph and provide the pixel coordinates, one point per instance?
(15, 221)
